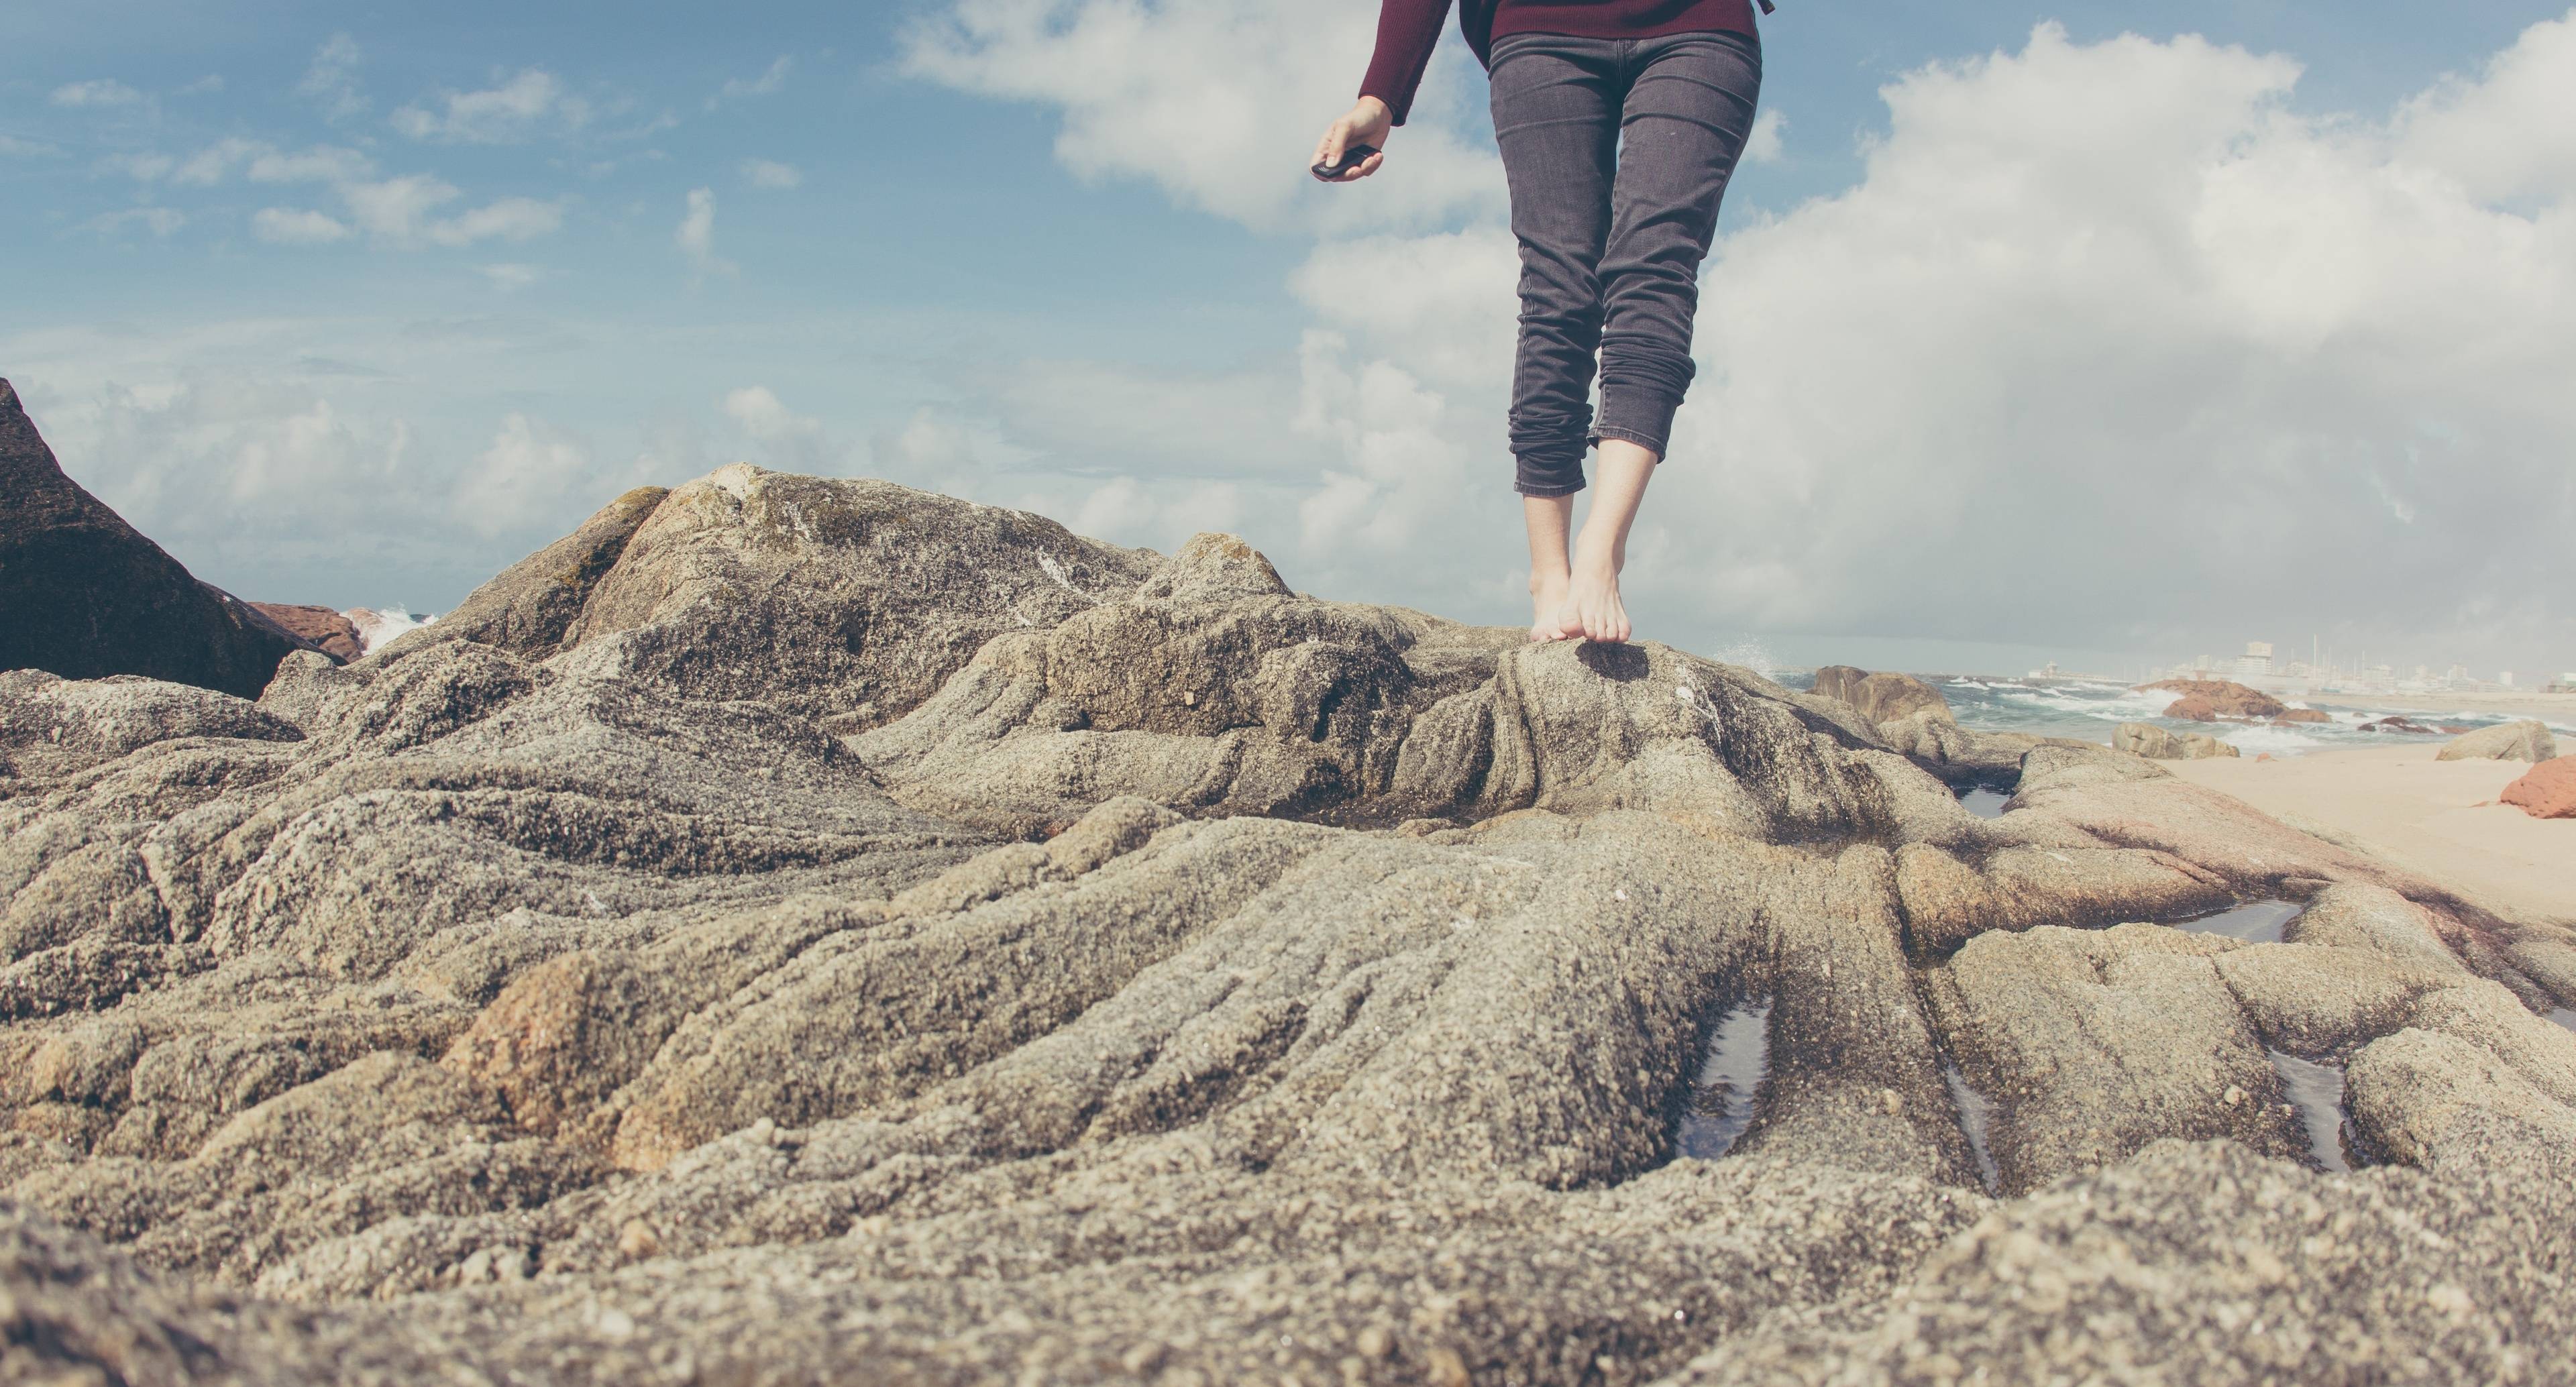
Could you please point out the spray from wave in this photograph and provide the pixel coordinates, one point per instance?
(378, 625)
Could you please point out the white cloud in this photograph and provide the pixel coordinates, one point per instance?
(769, 83)
(321, 164)
(142, 168)
(102, 92)
(209, 85)
(1175, 94)
(397, 212)
(296, 227)
(696, 235)
(331, 80)
(160, 221)
(514, 110)
(2510, 132)
(1766, 143)
(769, 173)
(510, 276)
(210, 165)
(13, 147)
(2110, 341)
(530, 472)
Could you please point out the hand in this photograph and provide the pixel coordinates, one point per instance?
(1368, 123)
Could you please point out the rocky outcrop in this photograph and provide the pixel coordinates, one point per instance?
(2206, 700)
(2548, 791)
(2156, 744)
(82, 595)
(1882, 697)
(1199, 982)
(1915, 721)
(2526, 740)
(2298, 717)
(328, 631)
(846, 600)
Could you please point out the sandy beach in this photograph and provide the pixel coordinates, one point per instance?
(2439, 818)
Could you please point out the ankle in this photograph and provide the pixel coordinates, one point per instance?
(1542, 579)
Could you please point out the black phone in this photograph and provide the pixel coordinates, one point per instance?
(1351, 158)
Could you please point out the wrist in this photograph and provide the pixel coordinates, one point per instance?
(1378, 109)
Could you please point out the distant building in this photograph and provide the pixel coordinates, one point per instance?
(2505, 678)
(2256, 662)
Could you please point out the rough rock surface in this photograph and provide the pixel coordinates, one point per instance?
(1168, 977)
(2157, 744)
(328, 631)
(2526, 740)
(1915, 721)
(2547, 791)
(83, 595)
(2205, 700)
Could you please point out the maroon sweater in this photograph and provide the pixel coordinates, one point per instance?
(1407, 31)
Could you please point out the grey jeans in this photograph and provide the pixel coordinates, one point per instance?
(1612, 230)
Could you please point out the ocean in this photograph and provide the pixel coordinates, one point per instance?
(2087, 710)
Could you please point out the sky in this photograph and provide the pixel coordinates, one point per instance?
(2031, 333)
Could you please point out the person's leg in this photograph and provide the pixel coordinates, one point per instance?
(1687, 115)
(1556, 117)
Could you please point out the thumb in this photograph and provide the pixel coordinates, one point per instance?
(1336, 140)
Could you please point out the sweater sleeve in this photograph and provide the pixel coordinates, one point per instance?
(1407, 31)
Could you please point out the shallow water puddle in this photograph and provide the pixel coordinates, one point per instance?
(2258, 923)
(2316, 1090)
(1984, 803)
(1731, 1072)
(1976, 1116)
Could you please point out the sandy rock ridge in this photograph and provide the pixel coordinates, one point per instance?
(793, 923)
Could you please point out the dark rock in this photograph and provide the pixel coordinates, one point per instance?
(82, 595)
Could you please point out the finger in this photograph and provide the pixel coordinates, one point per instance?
(1335, 141)
(1369, 165)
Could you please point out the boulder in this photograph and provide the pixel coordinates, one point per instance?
(2156, 744)
(848, 600)
(2226, 698)
(595, 992)
(2526, 740)
(2192, 709)
(1884, 696)
(2296, 717)
(2547, 791)
(82, 595)
(331, 632)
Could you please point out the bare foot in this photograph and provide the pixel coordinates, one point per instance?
(1547, 608)
(1592, 608)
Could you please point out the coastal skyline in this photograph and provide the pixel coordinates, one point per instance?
(343, 314)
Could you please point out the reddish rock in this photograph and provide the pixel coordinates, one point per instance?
(2398, 724)
(2230, 700)
(2548, 792)
(2300, 715)
(331, 632)
(2193, 709)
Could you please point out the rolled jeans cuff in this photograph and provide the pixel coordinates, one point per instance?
(1642, 417)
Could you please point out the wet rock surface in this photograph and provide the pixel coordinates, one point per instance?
(1093, 966)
